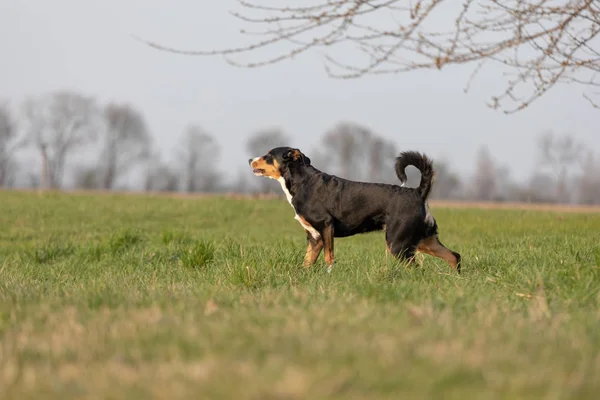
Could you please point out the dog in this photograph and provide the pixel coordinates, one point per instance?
(328, 206)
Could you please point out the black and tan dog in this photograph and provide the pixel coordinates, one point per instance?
(328, 206)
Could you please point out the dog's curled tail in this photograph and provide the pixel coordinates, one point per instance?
(422, 163)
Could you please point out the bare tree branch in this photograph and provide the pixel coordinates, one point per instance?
(543, 42)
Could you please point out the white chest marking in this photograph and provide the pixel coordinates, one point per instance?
(313, 232)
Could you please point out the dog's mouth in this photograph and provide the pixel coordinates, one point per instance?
(258, 171)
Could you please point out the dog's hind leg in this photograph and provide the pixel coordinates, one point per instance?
(313, 249)
(400, 246)
(327, 235)
(404, 253)
(403, 250)
(434, 247)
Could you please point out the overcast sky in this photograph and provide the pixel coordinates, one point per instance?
(86, 46)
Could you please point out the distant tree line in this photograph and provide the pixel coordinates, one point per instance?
(66, 140)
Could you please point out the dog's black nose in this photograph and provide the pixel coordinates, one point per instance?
(249, 161)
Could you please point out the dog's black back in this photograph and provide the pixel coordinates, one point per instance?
(359, 207)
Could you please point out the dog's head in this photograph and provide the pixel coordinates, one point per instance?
(275, 162)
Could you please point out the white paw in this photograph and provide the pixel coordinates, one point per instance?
(329, 268)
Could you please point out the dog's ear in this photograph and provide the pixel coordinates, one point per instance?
(296, 155)
(289, 155)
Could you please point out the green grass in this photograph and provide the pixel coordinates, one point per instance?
(126, 297)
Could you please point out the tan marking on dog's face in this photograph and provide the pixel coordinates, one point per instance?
(260, 167)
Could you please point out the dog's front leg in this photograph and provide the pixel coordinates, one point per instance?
(327, 235)
(313, 249)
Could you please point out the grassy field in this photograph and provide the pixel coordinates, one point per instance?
(126, 297)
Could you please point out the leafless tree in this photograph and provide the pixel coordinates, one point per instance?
(126, 142)
(261, 142)
(542, 188)
(344, 150)
(160, 177)
(57, 124)
(560, 155)
(353, 151)
(382, 156)
(8, 134)
(240, 183)
(589, 182)
(87, 178)
(199, 153)
(543, 42)
(264, 140)
(538, 189)
(485, 180)
(447, 183)
(504, 183)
